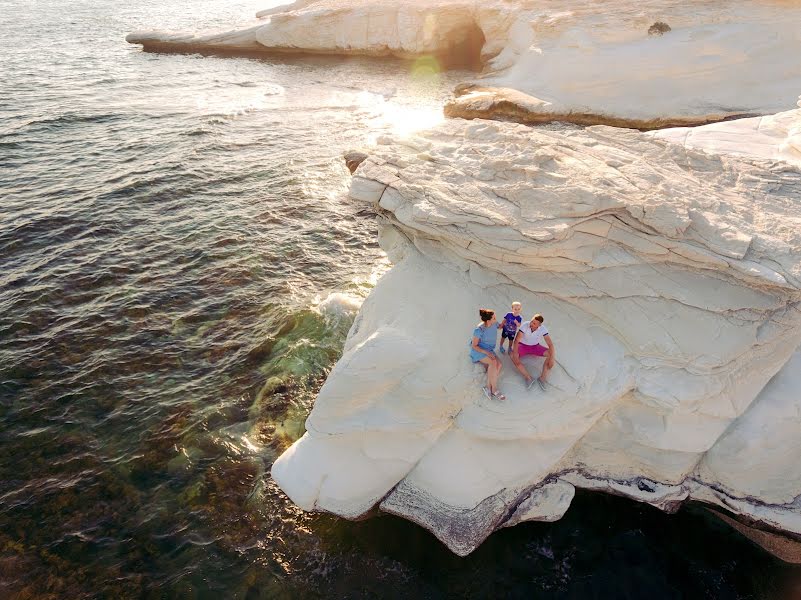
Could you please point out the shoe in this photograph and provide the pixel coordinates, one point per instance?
(502, 350)
(499, 396)
(542, 384)
(530, 384)
(487, 393)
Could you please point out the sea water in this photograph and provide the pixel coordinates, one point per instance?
(179, 267)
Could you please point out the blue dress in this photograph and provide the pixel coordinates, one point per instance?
(487, 337)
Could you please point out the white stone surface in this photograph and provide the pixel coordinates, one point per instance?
(772, 137)
(579, 55)
(670, 281)
(393, 28)
(756, 443)
(597, 56)
(547, 503)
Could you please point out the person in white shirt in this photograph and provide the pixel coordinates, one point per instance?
(531, 340)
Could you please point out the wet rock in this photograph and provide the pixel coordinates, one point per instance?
(353, 159)
(785, 547)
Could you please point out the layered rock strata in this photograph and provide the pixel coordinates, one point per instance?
(670, 280)
(473, 101)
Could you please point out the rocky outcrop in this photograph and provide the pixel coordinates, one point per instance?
(579, 58)
(445, 30)
(670, 280)
(472, 101)
(353, 158)
(669, 276)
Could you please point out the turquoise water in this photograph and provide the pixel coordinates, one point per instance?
(180, 266)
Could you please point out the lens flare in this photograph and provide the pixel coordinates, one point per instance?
(426, 68)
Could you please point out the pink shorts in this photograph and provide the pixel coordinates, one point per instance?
(535, 350)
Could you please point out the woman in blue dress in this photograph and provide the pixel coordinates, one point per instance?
(482, 350)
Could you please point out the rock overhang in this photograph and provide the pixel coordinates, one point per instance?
(670, 276)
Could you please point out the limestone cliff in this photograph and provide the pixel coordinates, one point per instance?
(670, 280)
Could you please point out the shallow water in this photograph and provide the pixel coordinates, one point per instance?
(180, 267)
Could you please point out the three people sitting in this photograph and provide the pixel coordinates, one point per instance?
(531, 339)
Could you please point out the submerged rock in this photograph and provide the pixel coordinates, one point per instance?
(658, 28)
(670, 280)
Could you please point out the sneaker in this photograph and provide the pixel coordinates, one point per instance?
(502, 350)
(530, 383)
(486, 392)
(542, 384)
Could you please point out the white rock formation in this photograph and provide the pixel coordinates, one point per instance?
(773, 137)
(670, 280)
(445, 29)
(579, 55)
(597, 56)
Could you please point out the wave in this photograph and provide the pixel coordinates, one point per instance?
(340, 304)
(75, 119)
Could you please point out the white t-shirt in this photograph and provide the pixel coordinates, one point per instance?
(532, 338)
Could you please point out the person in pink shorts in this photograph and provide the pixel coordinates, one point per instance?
(533, 339)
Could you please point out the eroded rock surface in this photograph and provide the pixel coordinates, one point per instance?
(670, 280)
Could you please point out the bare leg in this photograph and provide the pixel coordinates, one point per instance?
(492, 372)
(546, 368)
(492, 376)
(519, 365)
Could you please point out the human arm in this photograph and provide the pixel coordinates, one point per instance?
(478, 348)
(551, 350)
(516, 341)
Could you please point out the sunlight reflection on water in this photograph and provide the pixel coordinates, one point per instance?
(181, 265)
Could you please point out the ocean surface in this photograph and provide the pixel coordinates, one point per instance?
(179, 267)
